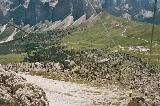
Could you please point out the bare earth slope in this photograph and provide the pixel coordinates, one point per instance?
(61, 93)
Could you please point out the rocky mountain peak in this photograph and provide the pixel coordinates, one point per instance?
(34, 11)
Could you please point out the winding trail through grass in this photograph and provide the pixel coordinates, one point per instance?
(60, 93)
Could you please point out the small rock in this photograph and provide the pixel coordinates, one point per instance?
(69, 64)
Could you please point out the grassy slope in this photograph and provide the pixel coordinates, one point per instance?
(12, 58)
(9, 50)
(95, 36)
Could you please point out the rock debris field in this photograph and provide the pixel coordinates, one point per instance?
(60, 93)
(140, 80)
(15, 91)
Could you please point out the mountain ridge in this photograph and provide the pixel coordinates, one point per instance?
(35, 11)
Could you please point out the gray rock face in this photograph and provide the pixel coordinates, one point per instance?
(35, 11)
(136, 9)
(14, 91)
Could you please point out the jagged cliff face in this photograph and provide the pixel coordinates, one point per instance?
(135, 9)
(34, 11)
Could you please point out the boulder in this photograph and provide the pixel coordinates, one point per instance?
(1, 69)
(137, 101)
(15, 91)
(57, 66)
(69, 64)
(103, 61)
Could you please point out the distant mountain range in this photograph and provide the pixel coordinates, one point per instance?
(35, 11)
(133, 9)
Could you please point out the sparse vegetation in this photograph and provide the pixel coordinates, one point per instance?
(121, 33)
(12, 58)
(135, 34)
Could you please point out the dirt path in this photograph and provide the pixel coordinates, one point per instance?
(61, 93)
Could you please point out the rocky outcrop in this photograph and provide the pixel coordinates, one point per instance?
(15, 91)
(35, 11)
(32, 12)
(136, 9)
(140, 101)
(137, 102)
(37, 66)
(69, 64)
